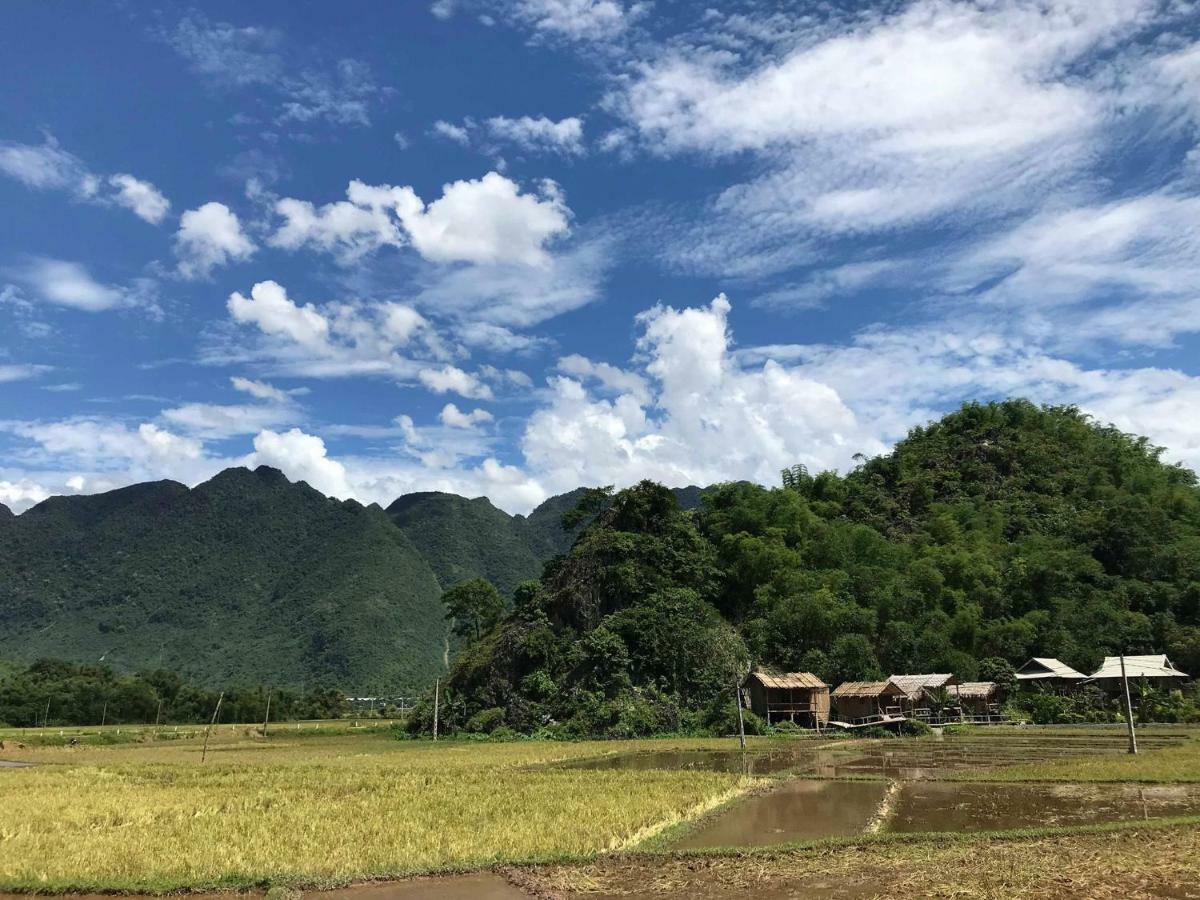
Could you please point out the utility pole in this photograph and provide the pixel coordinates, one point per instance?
(1128, 707)
(437, 685)
(104, 713)
(737, 699)
(46, 715)
(267, 717)
(208, 731)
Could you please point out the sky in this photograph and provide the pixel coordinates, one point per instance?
(514, 247)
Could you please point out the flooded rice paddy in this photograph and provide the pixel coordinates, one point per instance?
(822, 794)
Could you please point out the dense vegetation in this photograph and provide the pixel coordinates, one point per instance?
(245, 579)
(1003, 531)
(53, 694)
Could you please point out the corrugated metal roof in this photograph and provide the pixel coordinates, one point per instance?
(787, 679)
(866, 689)
(1153, 666)
(913, 685)
(1046, 667)
(975, 690)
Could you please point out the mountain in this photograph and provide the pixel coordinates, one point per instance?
(463, 539)
(245, 578)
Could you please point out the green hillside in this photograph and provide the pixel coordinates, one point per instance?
(1003, 531)
(246, 578)
(464, 539)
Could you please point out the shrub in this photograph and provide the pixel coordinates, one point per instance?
(486, 721)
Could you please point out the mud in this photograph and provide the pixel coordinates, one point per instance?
(14, 764)
(947, 806)
(796, 811)
(482, 886)
(768, 762)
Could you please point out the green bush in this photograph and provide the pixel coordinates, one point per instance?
(486, 721)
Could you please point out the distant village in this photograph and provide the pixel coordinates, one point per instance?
(937, 698)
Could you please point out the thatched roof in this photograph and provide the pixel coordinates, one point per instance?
(867, 689)
(1046, 667)
(975, 690)
(772, 679)
(915, 685)
(1153, 666)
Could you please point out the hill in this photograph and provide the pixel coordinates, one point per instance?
(1002, 531)
(245, 578)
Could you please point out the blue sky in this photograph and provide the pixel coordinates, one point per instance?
(508, 248)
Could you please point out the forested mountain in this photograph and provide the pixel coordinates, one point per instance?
(1003, 531)
(246, 578)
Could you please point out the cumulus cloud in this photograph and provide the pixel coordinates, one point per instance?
(302, 457)
(210, 236)
(451, 379)
(459, 134)
(488, 220)
(454, 417)
(20, 495)
(143, 198)
(264, 391)
(269, 308)
(47, 166)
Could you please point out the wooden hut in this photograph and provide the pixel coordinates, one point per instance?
(918, 690)
(799, 697)
(977, 698)
(855, 700)
(1048, 672)
(1154, 669)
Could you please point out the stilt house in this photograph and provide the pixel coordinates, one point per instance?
(799, 697)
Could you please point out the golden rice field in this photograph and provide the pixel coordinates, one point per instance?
(318, 810)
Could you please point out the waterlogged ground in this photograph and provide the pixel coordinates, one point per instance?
(314, 812)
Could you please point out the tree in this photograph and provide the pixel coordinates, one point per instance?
(475, 606)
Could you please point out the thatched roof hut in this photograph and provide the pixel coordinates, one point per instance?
(916, 688)
(799, 697)
(1048, 670)
(859, 699)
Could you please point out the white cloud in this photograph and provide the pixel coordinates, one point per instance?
(49, 167)
(929, 112)
(261, 389)
(578, 20)
(302, 457)
(22, 371)
(69, 284)
(143, 198)
(485, 221)
(459, 134)
(208, 237)
(215, 420)
(451, 379)
(20, 495)
(540, 133)
(348, 228)
(612, 377)
(453, 417)
(45, 167)
(269, 308)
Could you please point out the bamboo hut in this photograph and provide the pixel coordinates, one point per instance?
(919, 690)
(977, 698)
(861, 699)
(799, 697)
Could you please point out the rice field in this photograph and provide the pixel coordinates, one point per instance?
(314, 811)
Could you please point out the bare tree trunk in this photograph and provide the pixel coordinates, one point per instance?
(437, 685)
(737, 699)
(267, 716)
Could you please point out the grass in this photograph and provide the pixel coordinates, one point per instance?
(313, 812)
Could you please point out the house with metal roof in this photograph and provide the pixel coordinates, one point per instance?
(1048, 671)
(799, 697)
(1154, 668)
